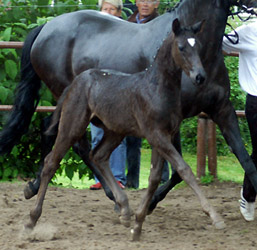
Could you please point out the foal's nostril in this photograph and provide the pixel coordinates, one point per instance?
(200, 79)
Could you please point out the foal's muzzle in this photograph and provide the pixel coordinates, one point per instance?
(199, 80)
(198, 76)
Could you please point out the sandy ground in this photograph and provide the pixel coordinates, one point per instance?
(84, 219)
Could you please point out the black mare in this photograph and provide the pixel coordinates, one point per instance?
(145, 104)
(74, 42)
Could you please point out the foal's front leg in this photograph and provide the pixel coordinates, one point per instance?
(168, 151)
(154, 180)
(163, 190)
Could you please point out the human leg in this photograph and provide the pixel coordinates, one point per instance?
(251, 116)
(248, 193)
(118, 162)
(96, 136)
(133, 159)
(117, 159)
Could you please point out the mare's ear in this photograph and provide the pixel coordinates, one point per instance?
(176, 26)
(197, 27)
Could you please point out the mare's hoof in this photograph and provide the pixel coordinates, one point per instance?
(29, 190)
(220, 225)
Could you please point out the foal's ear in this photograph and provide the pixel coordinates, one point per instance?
(197, 27)
(176, 26)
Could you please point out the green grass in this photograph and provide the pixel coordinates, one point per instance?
(228, 169)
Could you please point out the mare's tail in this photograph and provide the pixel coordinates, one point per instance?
(26, 99)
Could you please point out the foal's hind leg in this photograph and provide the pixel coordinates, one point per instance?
(82, 148)
(50, 167)
(100, 156)
(47, 143)
(69, 133)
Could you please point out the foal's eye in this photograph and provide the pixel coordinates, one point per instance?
(181, 47)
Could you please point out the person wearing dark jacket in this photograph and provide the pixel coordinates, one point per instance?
(146, 11)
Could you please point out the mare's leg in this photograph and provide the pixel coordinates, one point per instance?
(100, 156)
(163, 190)
(226, 119)
(167, 150)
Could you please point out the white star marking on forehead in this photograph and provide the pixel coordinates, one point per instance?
(191, 41)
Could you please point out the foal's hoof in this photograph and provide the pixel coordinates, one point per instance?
(29, 226)
(135, 236)
(117, 210)
(124, 221)
(149, 212)
(29, 190)
(220, 225)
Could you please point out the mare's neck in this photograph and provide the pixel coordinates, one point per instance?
(156, 31)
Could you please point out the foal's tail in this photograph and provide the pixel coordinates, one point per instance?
(26, 99)
(53, 128)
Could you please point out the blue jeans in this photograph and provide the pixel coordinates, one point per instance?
(133, 158)
(117, 159)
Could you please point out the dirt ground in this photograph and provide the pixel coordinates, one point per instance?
(84, 219)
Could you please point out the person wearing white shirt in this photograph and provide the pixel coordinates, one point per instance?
(247, 50)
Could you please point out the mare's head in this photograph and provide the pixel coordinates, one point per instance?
(185, 51)
(247, 3)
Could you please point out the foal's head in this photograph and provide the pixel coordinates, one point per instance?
(185, 50)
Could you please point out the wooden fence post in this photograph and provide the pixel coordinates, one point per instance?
(201, 146)
(212, 149)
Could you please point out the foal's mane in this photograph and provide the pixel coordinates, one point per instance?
(162, 55)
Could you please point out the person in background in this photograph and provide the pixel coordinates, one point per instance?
(146, 11)
(112, 7)
(118, 157)
(247, 49)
